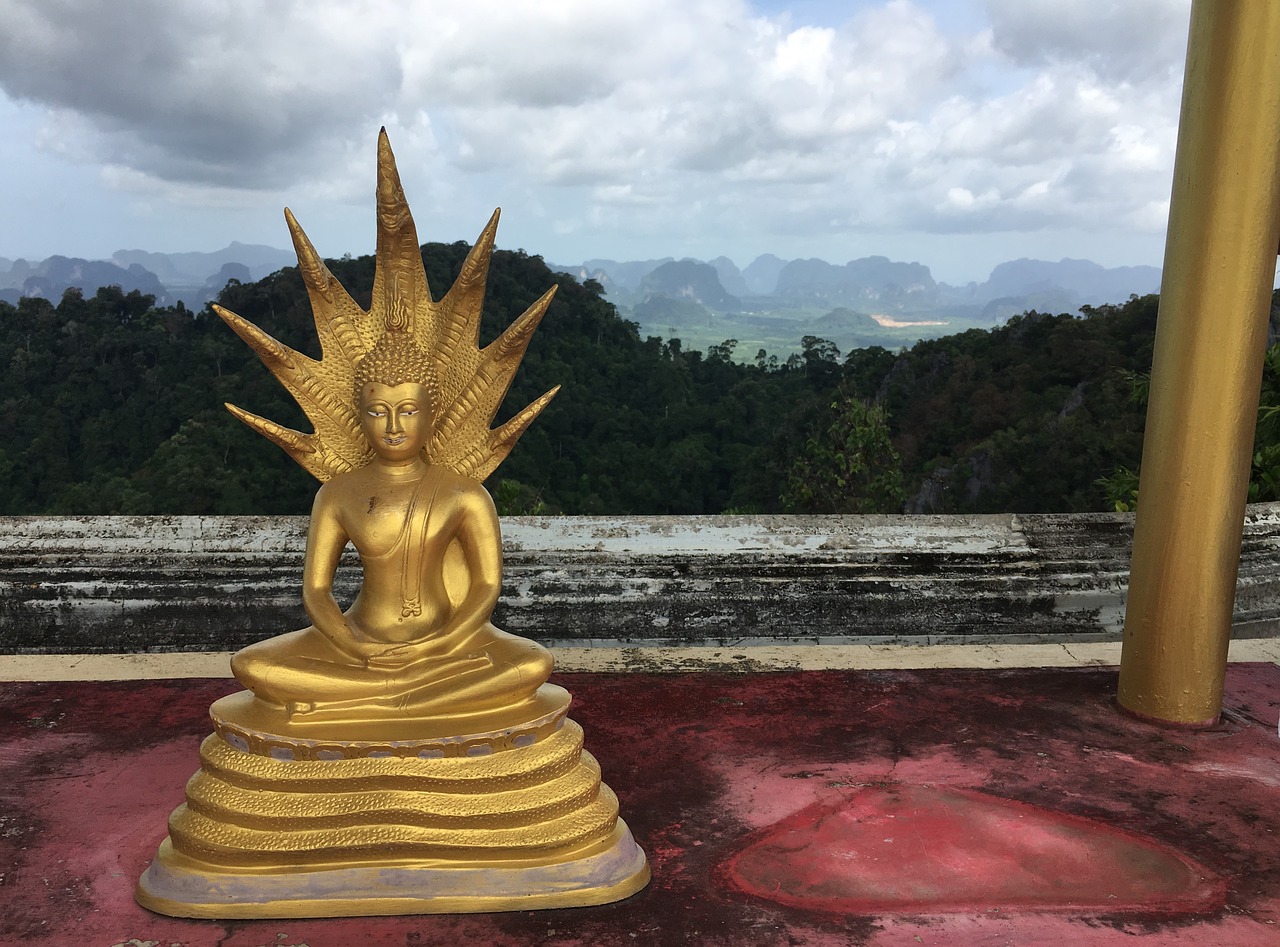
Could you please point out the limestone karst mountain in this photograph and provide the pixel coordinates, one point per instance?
(691, 280)
(191, 278)
(195, 268)
(761, 274)
(1092, 283)
(772, 303)
(51, 277)
(874, 281)
(1066, 283)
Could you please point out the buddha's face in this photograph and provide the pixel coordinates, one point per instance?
(396, 420)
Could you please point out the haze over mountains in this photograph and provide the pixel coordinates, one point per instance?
(774, 303)
(874, 282)
(190, 278)
(771, 302)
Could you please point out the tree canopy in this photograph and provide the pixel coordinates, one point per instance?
(114, 405)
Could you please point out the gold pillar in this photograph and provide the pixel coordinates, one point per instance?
(1219, 267)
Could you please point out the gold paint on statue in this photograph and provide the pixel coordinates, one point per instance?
(403, 755)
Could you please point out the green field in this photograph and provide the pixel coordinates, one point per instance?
(779, 331)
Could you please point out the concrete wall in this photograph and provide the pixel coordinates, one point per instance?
(125, 584)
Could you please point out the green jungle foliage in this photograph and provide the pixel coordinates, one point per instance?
(1023, 418)
(113, 405)
(847, 464)
(1121, 487)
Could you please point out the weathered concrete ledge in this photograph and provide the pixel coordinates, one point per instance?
(145, 584)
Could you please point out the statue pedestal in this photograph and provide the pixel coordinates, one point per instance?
(321, 821)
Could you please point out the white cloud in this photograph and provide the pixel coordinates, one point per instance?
(1122, 40)
(678, 120)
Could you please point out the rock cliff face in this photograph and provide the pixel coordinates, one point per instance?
(874, 281)
(51, 277)
(761, 274)
(664, 292)
(691, 280)
(195, 268)
(617, 275)
(1083, 280)
(730, 277)
(193, 278)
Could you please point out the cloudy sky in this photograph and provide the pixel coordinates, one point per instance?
(956, 133)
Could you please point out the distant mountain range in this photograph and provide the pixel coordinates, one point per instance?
(772, 304)
(873, 284)
(769, 299)
(190, 278)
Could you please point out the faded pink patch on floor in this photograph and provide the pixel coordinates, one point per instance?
(915, 849)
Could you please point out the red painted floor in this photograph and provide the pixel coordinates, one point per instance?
(763, 801)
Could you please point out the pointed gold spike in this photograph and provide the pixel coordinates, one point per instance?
(400, 282)
(328, 298)
(510, 432)
(463, 305)
(503, 439)
(473, 408)
(286, 438)
(515, 339)
(274, 354)
(297, 445)
(475, 269)
(302, 376)
(315, 275)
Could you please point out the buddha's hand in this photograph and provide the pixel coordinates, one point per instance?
(449, 644)
(408, 658)
(354, 642)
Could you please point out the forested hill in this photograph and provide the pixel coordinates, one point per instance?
(112, 405)
(1023, 418)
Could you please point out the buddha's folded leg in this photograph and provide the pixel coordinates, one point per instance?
(304, 667)
(517, 667)
(388, 686)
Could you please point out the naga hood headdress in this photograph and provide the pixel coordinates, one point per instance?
(436, 343)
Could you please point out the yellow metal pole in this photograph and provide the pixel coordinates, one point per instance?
(1219, 268)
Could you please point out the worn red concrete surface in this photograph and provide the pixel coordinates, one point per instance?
(705, 766)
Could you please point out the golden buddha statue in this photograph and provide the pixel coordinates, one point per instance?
(404, 755)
